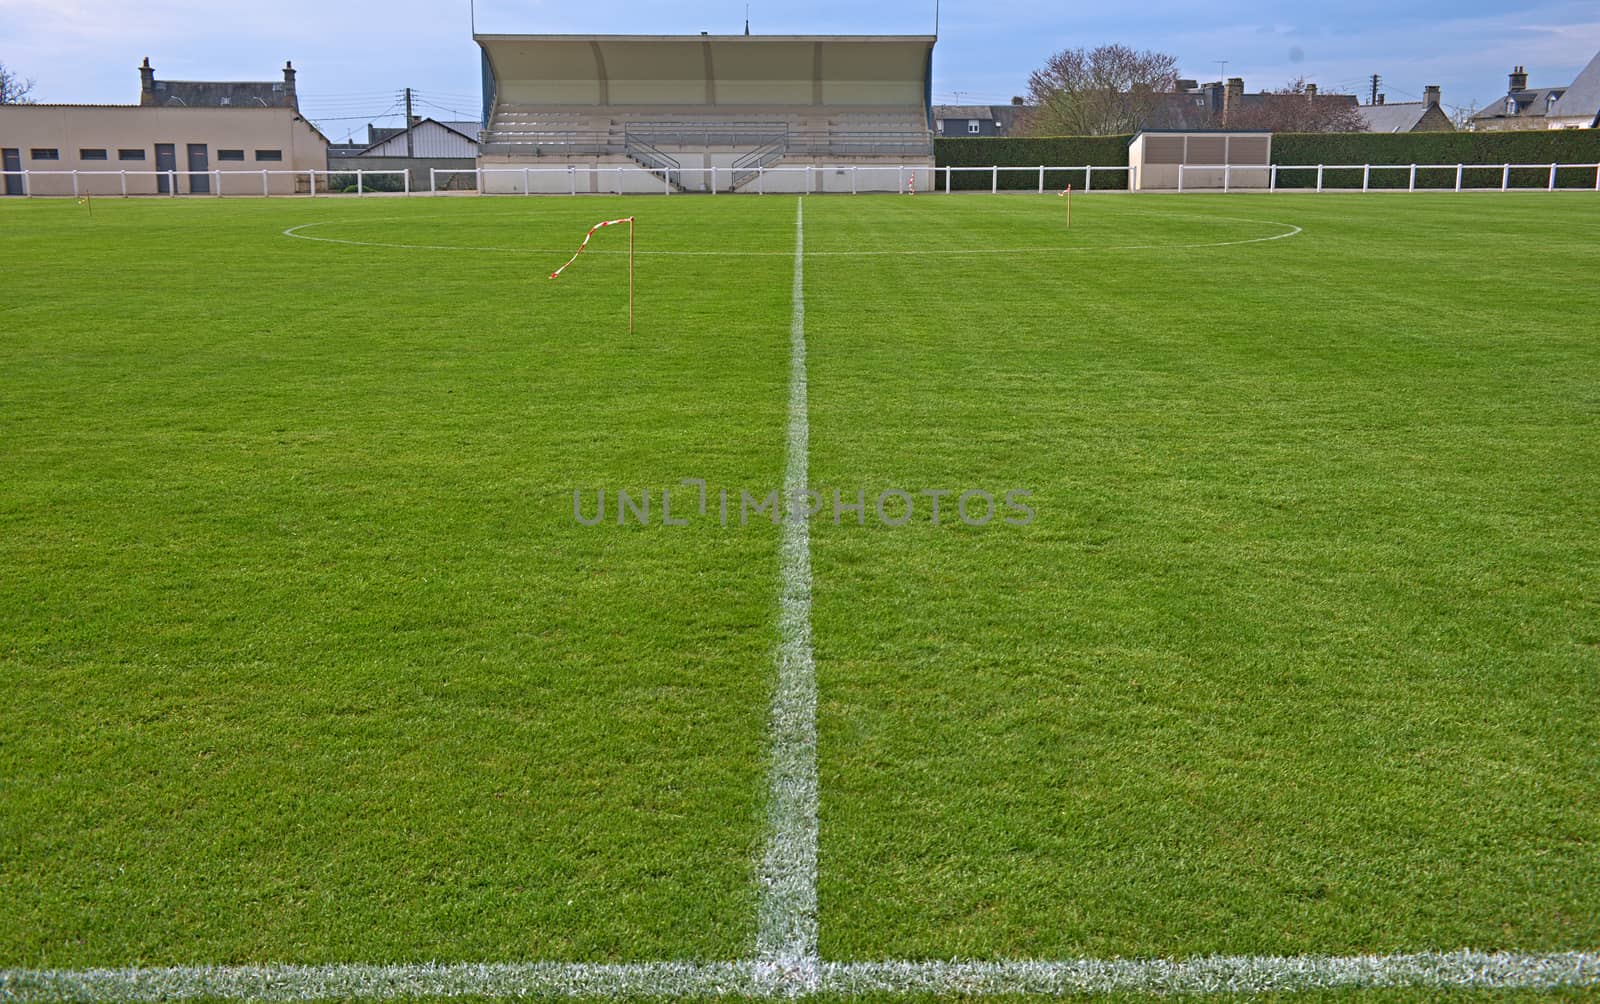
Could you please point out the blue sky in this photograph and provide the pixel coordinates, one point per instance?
(354, 57)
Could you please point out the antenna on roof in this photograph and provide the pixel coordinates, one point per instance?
(935, 18)
(472, 13)
(747, 19)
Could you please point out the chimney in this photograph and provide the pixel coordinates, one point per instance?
(1519, 79)
(147, 83)
(1311, 92)
(1430, 96)
(289, 97)
(1233, 98)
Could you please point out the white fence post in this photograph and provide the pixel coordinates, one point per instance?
(1272, 179)
(855, 187)
(900, 178)
(525, 189)
(1552, 186)
(761, 180)
(1597, 177)
(124, 183)
(1411, 185)
(361, 182)
(572, 177)
(1227, 177)
(1041, 179)
(1319, 177)
(713, 179)
(1505, 177)
(172, 184)
(1180, 177)
(1459, 169)
(405, 180)
(994, 181)
(948, 170)
(74, 184)
(1366, 177)
(1088, 177)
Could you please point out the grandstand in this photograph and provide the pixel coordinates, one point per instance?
(770, 113)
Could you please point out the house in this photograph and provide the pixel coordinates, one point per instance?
(426, 138)
(1196, 106)
(1579, 107)
(216, 93)
(179, 140)
(977, 120)
(1523, 107)
(428, 146)
(1407, 116)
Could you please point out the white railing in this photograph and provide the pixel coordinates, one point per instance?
(807, 179)
(1500, 178)
(238, 183)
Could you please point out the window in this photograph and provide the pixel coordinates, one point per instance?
(130, 155)
(231, 155)
(974, 127)
(1511, 106)
(86, 154)
(269, 155)
(44, 153)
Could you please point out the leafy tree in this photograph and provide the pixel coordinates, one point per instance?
(1105, 91)
(14, 90)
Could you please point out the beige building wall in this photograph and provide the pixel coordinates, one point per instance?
(129, 135)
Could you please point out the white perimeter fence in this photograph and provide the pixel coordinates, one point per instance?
(812, 179)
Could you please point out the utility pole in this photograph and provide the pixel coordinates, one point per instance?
(1377, 80)
(1222, 70)
(409, 154)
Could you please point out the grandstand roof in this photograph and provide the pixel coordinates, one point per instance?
(710, 70)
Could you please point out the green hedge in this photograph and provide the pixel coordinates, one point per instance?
(1550, 146)
(1546, 146)
(1009, 151)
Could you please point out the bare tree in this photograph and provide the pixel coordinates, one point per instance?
(1098, 92)
(14, 90)
(1291, 109)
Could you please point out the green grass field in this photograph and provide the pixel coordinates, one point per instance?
(305, 659)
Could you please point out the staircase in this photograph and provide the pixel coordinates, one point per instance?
(750, 164)
(658, 163)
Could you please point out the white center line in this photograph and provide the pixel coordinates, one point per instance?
(786, 936)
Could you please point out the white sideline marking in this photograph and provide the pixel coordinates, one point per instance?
(786, 933)
(1290, 231)
(1212, 974)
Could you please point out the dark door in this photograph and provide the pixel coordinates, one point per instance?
(13, 171)
(199, 180)
(166, 163)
